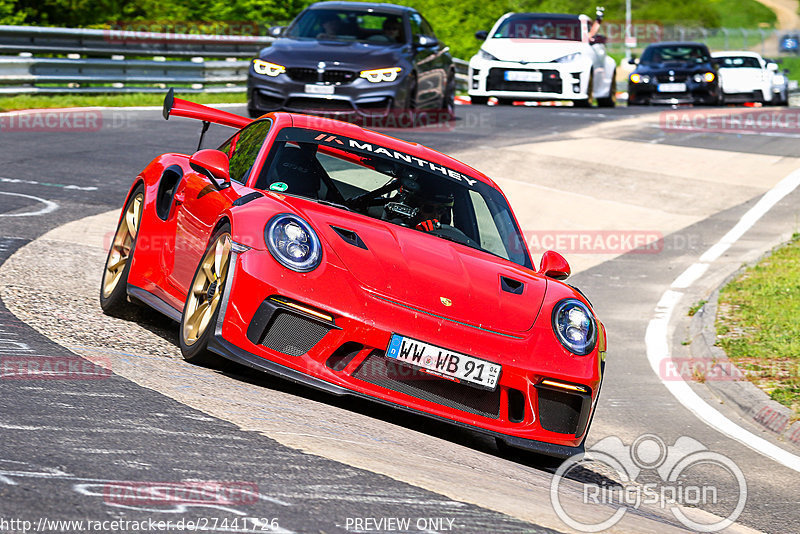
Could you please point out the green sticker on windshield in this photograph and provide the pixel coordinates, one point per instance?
(278, 186)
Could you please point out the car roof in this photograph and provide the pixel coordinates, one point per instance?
(285, 119)
(363, 6)
(676, 43)
(729, 53)
(545, 15)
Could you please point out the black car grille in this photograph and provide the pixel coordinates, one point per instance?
(551, 82)
(388, 373)
(291, 334)
(676, 78)
(332, 77)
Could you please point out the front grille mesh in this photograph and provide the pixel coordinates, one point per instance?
(386, 372)
(293, 335)
(333, 77)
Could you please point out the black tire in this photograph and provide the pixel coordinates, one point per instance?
(449, 98)
(611, 100)
(479, 100)
(505, 101)
(409, 109)
(254, 113)
(195, 347)
(589, 101)
(114, 293)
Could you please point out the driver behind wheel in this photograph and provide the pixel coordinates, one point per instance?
(433, 212)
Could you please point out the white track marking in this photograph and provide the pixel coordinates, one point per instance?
(48, 206)
(657, 335)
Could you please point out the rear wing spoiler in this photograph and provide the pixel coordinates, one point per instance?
(183, 108)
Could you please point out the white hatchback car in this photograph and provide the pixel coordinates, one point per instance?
(744, 76)
(542, 56)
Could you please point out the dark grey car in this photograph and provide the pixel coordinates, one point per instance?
(353, 59)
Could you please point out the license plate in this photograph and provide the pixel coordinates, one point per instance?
(523, 76)
(671, 87)
(314, 89)
(445, 363)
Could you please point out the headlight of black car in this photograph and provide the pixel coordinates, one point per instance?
(293, 243)
(575, 326)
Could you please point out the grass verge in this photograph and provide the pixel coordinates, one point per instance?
(758, 323)
(10, 103)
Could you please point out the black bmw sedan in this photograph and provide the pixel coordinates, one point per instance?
(353, 59)
(674, 73)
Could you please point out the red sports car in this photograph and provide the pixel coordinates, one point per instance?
(362, 265)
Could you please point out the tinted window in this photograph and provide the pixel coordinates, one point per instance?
(348, 25)
(675, 53)
(532, 27)
(243, 148)
(739, 62)
(394, 187)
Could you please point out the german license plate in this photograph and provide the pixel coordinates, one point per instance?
(671, 87)
(523, 76)
(443, 362)
(314, 89)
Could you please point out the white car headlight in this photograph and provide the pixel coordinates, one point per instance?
(483, 54)
(381, 75)
(575, 326)
(569, 58)
(267, 68)
(293, 243)
(779, 80)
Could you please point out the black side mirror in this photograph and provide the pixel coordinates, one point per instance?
(423, 41)
(482, 35)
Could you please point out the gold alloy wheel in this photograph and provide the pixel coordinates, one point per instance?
(122, 244)
(206, 289)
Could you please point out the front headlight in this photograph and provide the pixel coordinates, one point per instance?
(569, 58)
(265, 67)
(575, 326)
(483, 54)
(778, 80)
(707, 77)
(640, 78)
(381, 75)
(293, 243)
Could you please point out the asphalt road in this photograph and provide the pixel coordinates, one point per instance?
(66, 442)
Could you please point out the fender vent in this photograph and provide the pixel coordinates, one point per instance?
(510, 285)
(241, 201)
(350, 237)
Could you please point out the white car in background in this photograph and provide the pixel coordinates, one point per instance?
(744, 76)
(542, 56)
(780, 84)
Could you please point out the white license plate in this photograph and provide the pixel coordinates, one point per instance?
(523, 76)
(671, 87)
(443, 362)
(314, 89)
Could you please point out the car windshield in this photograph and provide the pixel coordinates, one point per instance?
(740, 62)
(675, 54)
(395, 187)
(533, 27)
(348, 25)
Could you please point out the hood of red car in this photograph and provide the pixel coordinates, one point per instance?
(430, 274)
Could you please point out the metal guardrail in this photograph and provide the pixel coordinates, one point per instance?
(98, 61)
(462, 81)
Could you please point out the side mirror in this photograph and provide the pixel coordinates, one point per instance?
(212, 164)
(276, 31)
(633, 60)
(482, 35)
(423, 41)
(772, 67)
(554, 266)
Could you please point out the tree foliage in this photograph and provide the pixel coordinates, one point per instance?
(455, 21)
